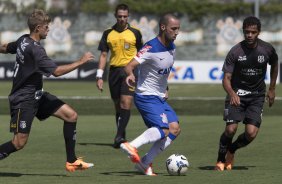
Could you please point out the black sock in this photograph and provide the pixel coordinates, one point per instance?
(122, 122)
(6, 149)
(70, 139)
(241, 141)
(224, 143)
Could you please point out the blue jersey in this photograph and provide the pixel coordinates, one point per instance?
(156, 61)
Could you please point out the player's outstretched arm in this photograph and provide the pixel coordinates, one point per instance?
(63, 69)
(3, 48)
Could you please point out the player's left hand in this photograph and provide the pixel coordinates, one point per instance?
(166, 95)
(270, 97)
(130, 81)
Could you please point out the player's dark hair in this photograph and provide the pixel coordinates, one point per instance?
(251, 21)
(37, 17)
(121, 7)
(165, 18)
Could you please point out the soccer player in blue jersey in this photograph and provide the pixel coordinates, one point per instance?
(155, 61)
(27, 98)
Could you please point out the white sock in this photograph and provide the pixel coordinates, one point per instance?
(149, 136)
(155, 150)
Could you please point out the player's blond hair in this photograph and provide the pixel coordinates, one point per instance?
(37, 17)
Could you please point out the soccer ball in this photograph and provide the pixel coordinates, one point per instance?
(177, 165)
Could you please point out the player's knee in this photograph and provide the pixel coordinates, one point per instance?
(72, 116)
(174, 128)
(125, 104)
(230, 131)
(251, 135)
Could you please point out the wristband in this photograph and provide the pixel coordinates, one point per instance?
(99, 73)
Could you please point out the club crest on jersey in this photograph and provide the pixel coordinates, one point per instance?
(164, 118)
(143, 50)
(261, 59)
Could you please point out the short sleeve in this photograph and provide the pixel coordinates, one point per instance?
(229, 63)
(273, 57)
(46, 66)
(143, 54)
(103, 45)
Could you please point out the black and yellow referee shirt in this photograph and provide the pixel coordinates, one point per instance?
(123, 45)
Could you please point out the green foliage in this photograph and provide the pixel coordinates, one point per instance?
(97, 6)
(193, 8)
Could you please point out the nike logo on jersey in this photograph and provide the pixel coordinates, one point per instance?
(161, 58)
(84, 74)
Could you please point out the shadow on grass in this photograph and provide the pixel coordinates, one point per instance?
(8, 174)
(96, 144)
(129, 173)
(123, 173)
(234, 168)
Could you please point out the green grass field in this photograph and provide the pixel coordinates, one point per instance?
(187, 99)
(42, 160)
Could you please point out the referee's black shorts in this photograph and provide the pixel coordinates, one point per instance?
(117, 83)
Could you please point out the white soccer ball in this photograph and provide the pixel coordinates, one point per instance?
(177, 165)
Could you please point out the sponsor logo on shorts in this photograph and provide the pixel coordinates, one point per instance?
(13, 125)
(229, 120)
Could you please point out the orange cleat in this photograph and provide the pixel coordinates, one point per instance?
(145, 170)
(79, 164)
(131, 151)
(229, 160)
(219, 166)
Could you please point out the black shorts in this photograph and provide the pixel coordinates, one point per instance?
(21, 118)
(249, 111)
(117, 83)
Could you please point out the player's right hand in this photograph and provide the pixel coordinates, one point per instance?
(130, 81)
(99, 84)
(235, 100)
(88, 56)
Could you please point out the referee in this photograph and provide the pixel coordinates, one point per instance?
(123, 41)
